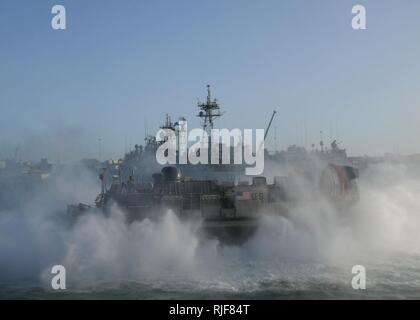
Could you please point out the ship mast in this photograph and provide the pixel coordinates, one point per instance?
(209, 111)
(168, 125)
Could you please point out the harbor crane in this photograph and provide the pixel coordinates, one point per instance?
(269, 124)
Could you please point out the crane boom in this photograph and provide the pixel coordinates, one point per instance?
(269, 124)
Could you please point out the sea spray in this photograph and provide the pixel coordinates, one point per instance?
(314, 249)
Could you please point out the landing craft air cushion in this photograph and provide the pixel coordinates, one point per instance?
(228, 209)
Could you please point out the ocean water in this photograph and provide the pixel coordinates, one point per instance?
(277, 263)
(392, 279)
(307, 256)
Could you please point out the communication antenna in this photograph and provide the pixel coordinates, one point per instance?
(145, 129)
(100, 148)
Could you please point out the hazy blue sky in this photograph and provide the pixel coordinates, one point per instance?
(121, 64)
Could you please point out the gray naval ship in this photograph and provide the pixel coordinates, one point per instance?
(227, 204)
